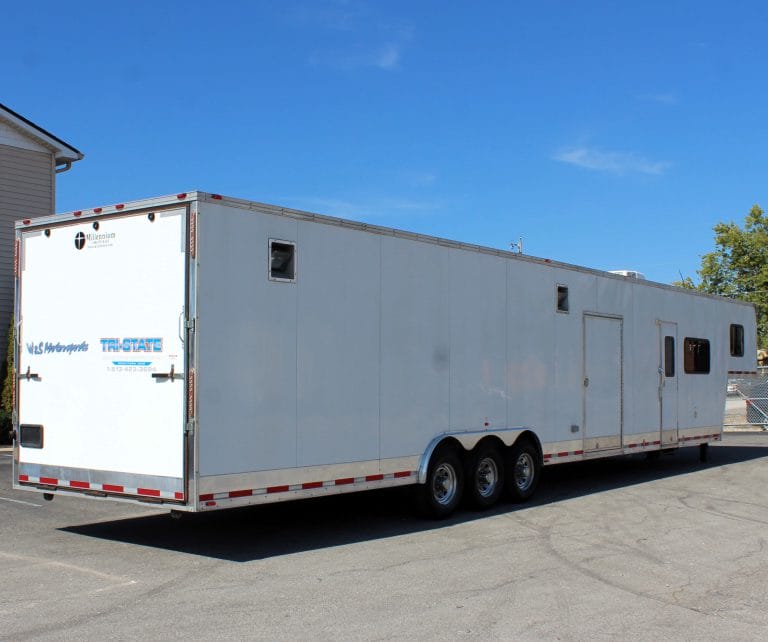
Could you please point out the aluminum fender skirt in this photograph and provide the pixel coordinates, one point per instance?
(468, 439)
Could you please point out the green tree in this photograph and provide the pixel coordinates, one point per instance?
(738, 267)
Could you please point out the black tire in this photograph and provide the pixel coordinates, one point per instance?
(484, 476)
(523, 470)
(441, 493)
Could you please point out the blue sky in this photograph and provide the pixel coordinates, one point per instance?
(606, 134)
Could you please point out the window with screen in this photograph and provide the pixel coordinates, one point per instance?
(669, 356)
(737, 340)
(696, 356)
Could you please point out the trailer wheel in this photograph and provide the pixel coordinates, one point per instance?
(441, 494)
(485, 476)
(523, 470)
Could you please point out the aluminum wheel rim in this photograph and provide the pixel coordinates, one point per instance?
(444, 484)
(486, 477)
(524, 471)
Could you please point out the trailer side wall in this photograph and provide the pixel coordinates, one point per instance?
(383, 342)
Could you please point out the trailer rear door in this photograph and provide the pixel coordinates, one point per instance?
(101, 355)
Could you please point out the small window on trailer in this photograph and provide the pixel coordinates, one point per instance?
(562, 298)
(696, 356)
(737, 340)
(282, 261)
(669, 356)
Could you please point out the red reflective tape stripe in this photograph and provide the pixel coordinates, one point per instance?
(240, 493)
(308, 485)
(49, 480)
(403, 473)
(206, 497)
(562, 454)
(210, 503)
(23, 477)
(548, 456)
(375, 477)
(346, 480)
(178, 495)
(656, 443)
(632, 445)
(578, 452)
(151, 492)
(79, 484)
(110, 488)
(277, 489)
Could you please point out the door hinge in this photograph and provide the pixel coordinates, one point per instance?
(189, 324)
(190, 429)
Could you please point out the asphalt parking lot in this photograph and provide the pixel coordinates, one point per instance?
(616, 549)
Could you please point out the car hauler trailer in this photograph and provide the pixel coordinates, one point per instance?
(204, 352)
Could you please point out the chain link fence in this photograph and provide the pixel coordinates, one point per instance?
(746, 403)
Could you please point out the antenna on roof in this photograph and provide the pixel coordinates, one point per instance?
(517, 246)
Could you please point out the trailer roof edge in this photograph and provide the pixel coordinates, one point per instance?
(256, 206)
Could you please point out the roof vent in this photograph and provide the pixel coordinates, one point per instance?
(632, 274)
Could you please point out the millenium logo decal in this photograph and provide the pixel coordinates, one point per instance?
(94, 239)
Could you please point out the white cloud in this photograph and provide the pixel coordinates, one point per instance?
(354, 35)
(612, 162)
(388, 56)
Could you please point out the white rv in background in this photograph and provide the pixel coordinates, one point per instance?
(205, 352)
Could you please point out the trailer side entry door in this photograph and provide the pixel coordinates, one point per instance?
(101, 355)
(668, 382)
(603, 369)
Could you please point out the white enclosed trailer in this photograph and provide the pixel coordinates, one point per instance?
(206, 352)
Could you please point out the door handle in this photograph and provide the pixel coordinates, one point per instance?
(30, 376)
(586, 382)
(167, 376)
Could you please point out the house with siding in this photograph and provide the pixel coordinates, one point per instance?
(30, 158)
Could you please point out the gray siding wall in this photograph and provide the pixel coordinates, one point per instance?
(27, 188)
